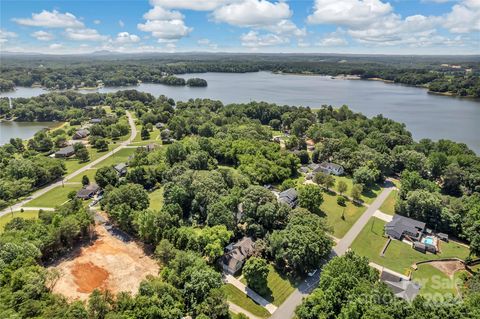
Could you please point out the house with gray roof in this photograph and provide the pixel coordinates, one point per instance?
(402, 226)
(405, 289)
(331, 168)
(88, 191)
(81, 133)
(289, 197)
(236, 255)
(65, 152)
(121, 169)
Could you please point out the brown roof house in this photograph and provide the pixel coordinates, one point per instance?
(236, 255)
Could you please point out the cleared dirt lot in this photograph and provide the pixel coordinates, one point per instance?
(108, 263)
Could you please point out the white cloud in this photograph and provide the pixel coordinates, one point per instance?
(159, 13)
(165, 29)
(5, 35)
(84, 35)
(121, 24)
(333, 41)
(464, 17)
(207, 43)
(253, 39)
(55, 46)
(287, 27)
(43, 35)
(125, 37)
(197, 5)
(253, 13)
(348, 12)
(97, 21)
(51, 19)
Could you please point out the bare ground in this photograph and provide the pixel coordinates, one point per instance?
(447, 267)
(108, 263)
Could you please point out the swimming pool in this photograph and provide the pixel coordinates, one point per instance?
(428, 240)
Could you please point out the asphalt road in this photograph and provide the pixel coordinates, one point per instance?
(44, 190)
(287, 309)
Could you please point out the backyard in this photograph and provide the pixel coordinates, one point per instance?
(433, 281)
(398, 256)
(351, 212)
(119, 157)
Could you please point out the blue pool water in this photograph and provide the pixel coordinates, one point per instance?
(428, 240)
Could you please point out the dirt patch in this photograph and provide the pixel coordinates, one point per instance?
(88, 276)
(448, 267)
(108, 263)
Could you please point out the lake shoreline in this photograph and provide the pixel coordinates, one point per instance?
(308, 74)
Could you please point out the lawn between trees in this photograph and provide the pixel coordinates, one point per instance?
(29, 214)
(388, 206)
(239, 298)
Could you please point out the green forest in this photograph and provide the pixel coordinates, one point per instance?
(219, 158)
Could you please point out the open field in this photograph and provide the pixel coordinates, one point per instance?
(89, 173)
(154, 135)
(333, 212)
(398, 256)
(237, 297)
(29, 214)
(108, 263)
(119, 157)
(388, 206)
(368, 195)
(156, 199)
(72, 164)
(55, 197)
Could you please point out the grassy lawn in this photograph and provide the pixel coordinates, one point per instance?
(73, 164)
(388, 206)
(280, 286)
(119, 157)
(55, 197)
(433, 281)
(156, 199)
(90, 174)
(154, 135)
(237, 297)
(29, 214)
(368, 195)
(398, 256)
(333, 213)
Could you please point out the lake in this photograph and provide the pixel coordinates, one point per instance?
(425, 115)
(24, 130)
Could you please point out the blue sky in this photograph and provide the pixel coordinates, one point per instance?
(325, 26)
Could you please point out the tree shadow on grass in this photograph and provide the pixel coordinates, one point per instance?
(369, 192)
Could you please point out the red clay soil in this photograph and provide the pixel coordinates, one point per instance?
(88, 277)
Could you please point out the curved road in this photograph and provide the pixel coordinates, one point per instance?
(43, 190)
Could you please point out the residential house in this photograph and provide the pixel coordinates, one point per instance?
(236, 255)
(96, 121)
(331, 168)
(160, 125)
(289, 197)
(402, 226)
(402, 288)
(88, 191)
(65, 152)
(121, 169)
(80, 134)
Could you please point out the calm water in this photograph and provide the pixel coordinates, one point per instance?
(426, 115)
(24, 130)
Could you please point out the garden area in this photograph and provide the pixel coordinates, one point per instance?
(368, 195)
(398, 256)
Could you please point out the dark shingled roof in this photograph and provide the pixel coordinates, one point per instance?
(405, 289)
(289, 197)
(401, 224)
(66, 150)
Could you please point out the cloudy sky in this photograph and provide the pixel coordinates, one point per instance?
(328, 26)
